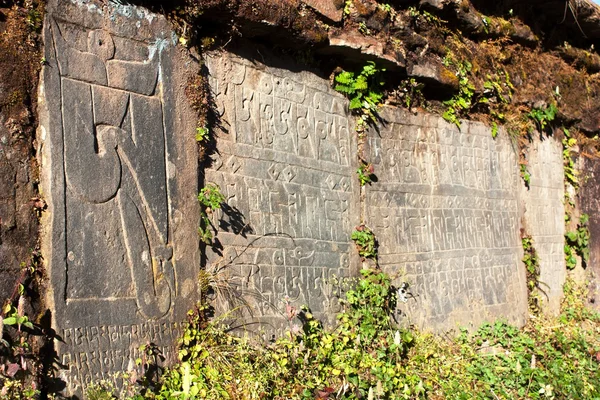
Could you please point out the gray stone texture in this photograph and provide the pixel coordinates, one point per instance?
(543, 216)
(119, 173)
(445, 209)
(286, 164)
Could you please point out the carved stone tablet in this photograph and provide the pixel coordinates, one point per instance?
(446, 212)
(285, 162)
(119, 172)
(544, 217)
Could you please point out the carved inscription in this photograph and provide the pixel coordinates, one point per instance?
(96, 352)
(446, 212)
(284, 165)
(111, 152)
(544, 216)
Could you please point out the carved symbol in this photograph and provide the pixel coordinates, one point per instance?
(217, 161)
(275, 170)
(289, 173)
(233, 164)
(331, 182)
(344, 184)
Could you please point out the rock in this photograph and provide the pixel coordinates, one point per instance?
(523, 34)
(330, 9)
(434, 74)
(358, 47)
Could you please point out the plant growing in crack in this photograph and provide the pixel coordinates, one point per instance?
(365, 241)
(211, 199)
(364, 91)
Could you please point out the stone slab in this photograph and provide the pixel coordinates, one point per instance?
(544, 216)
(590, 204)
(285, 161)
(119, 174)
(445, 210)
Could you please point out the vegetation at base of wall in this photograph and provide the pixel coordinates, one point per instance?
(577, 242)
(367, 356)
(210, 198)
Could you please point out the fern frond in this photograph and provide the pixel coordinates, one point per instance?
(345, 78)
(345, 89)
(355, 103)
(361, 83)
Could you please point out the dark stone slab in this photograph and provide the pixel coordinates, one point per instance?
(286, 164)
(590, 204)
(445, 210)
(119, 173)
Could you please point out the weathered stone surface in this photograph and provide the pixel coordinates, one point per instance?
(446, 213)
(433, 73)
(285, 163)
(590, 204)
(543, 217)
(359, 47)
(119, 172)
(331, 9)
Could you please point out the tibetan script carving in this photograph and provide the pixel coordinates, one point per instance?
(446, 212)
(285, 164)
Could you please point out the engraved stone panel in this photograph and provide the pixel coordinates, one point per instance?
(119, 172)
(544, 216)
(285, 162)
(446, 212)
(590, 204)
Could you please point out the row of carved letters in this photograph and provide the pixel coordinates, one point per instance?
(105, 337)
(281, 124)
(303, 285)
(293, 209)
(398, 199)
(445, 291)
(447, 165)
(92, 366)
(438, 230)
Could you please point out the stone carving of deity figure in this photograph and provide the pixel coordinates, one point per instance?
(115, 164)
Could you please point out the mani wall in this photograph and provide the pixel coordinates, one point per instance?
(120, 175)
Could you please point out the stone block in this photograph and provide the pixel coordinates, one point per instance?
(544, 216)
(286, 164)
(119, 172)
(445, 209)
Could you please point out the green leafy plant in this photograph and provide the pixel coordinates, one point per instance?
(411, 92)
(525, 175)
(210, 198)
(543, 116)
(366, 356)
(202, 134)
(364, 91)
(571, 173)
(365, 241)
(362, 28)
(461, 102)
(365, 173)
(577, 242)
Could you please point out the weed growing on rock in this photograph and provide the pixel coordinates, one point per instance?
(364, 91)
(532, 272)
(365, 241)
(210, 198)
(577, 242)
